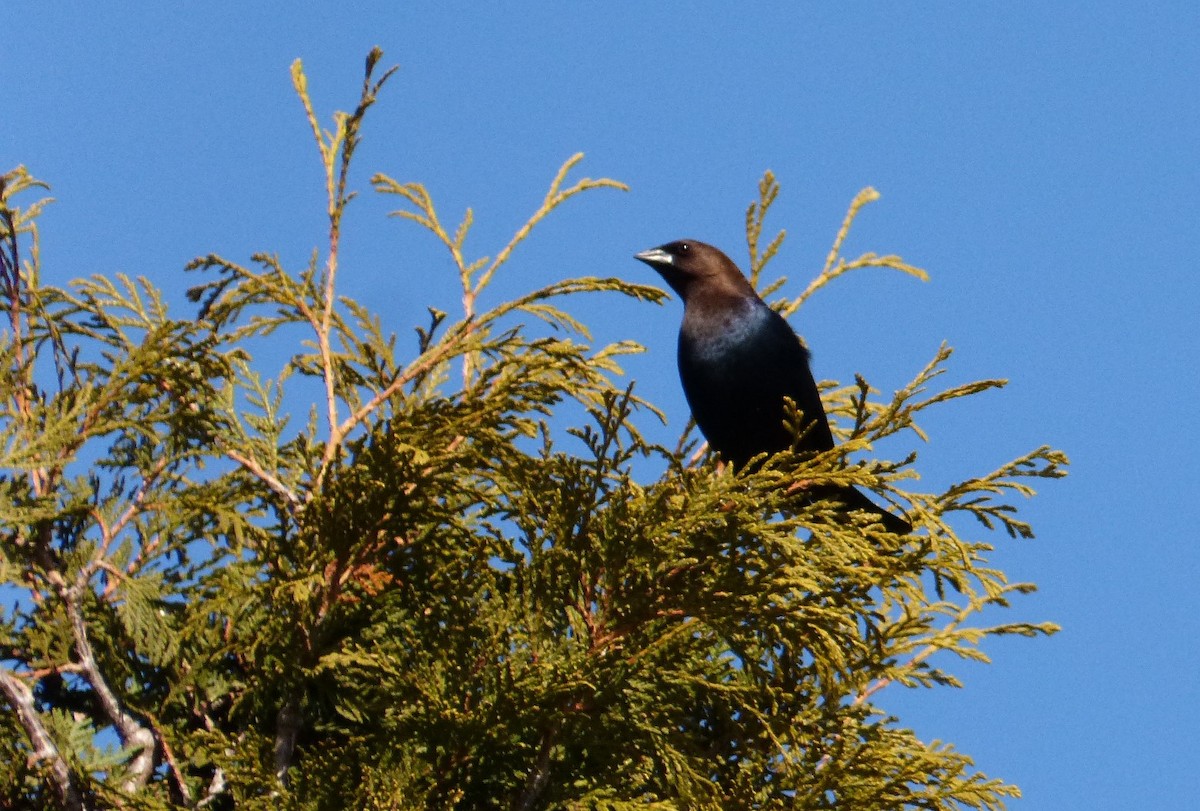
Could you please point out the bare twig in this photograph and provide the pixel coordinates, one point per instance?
(108, 534)
(18, 694)
(251, 464)
(177, 776)
(135, 738)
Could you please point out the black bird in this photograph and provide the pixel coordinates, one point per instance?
(738, 360)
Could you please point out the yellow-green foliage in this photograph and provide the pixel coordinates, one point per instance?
(421, 596)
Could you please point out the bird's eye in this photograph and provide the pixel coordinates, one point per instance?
(684, 247)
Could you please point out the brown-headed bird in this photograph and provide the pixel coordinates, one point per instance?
(738, 360)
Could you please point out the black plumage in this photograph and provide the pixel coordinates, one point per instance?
(738, 360)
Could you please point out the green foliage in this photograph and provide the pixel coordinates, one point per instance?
(430, 595)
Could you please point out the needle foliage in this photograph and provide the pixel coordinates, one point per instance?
(436, 589)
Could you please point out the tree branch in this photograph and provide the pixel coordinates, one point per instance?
(134, 737)
(287, 729)
(61, 780)
(216, 787)
(535, 784)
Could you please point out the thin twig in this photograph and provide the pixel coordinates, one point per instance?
(109, 534)
(251, 464)
(177, 776)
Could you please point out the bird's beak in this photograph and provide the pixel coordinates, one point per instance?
(655, 257)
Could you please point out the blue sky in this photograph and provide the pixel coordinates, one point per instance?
(1039, 160)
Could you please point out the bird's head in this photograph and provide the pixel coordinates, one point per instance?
(688, 265)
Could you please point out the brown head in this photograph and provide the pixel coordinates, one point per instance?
(690, 266)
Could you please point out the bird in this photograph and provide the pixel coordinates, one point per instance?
(738, 361)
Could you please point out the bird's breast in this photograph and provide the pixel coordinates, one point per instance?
(723, 335)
